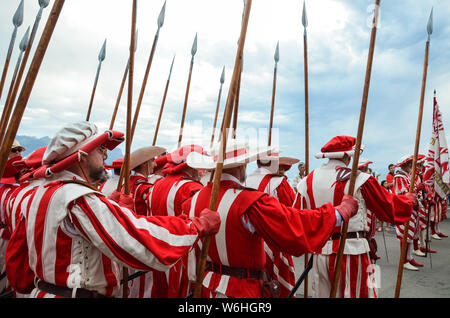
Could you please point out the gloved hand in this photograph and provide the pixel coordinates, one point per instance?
(124, 200)
(413, 198)
(208, 223)
(420, 186)
(348, 207)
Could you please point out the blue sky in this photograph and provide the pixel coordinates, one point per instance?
(338, 41)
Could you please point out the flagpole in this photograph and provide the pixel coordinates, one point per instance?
(147, 71)
(416, 152)
(163, 103)
(222, 80)
(183, 116)
(101, 58)
(17, 22)
(218, 171)
(274, 85)
(353, 175)
(305, 62)
(29, 83)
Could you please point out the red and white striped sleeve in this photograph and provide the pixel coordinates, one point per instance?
(400, 185)
(144, 243)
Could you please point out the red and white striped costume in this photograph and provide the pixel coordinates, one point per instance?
(77, 238)
(166, 198)
(279, 265)
(5, 192)
(249, 218)
(329, 183)
(402, 182)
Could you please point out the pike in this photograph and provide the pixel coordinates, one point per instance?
(101, 58)
(183, 116)
(17, 22)
(122, 85)
(126, 164)
(12, 95)
(238, 93)
(222, 80)
(29, 82)
(160, 23)
(163, 103)
(416, 152)
(274, 85)
(7, 109)
(357, 146)
(218, 171)
(305, 62)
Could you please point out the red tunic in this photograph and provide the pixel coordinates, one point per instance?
(249, 218)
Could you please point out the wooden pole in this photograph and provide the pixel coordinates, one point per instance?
(357, 147)
(162, 104)
(101, 57)
(274, 85)
(8, 106)
(305, 63)
(236, 102)
(218, 171)
(183, 116)
(119, 96)
(29, 83)
(414, 164)
(126, 165)
(222, 80)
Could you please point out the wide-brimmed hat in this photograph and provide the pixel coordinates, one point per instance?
(237, 153)
(405, 159)
(18, 146)
(66, 147)
(142, 155)
(363, 162)
(338, 147)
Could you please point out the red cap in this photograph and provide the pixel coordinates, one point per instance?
(337, 147)
(116, 164)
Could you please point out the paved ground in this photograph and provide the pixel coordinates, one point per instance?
(431, 281)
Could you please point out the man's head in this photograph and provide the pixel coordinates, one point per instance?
(391, 168)
(16, 150)
(340, 148)
(239, 172)
(79, 148)
(142, 160)
(301, 168)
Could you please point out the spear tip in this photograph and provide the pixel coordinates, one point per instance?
(222, 77)
(24, 42)
(102, 54)
(43, 3)
(277, 53)
(304, 15)
(161, 15)
(194, 46)
(430, 23)
(18, 16)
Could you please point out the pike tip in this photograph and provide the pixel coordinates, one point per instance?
(194, 46)
(102, 54)
(23, 44)
(430, 23)
(304, 16)
(222, 77)
(43, 3)
(277, 53)
(161, 15)
(18, 16)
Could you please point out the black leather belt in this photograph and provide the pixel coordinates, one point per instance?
(350, 235)
(241, 273)
(66, 292)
